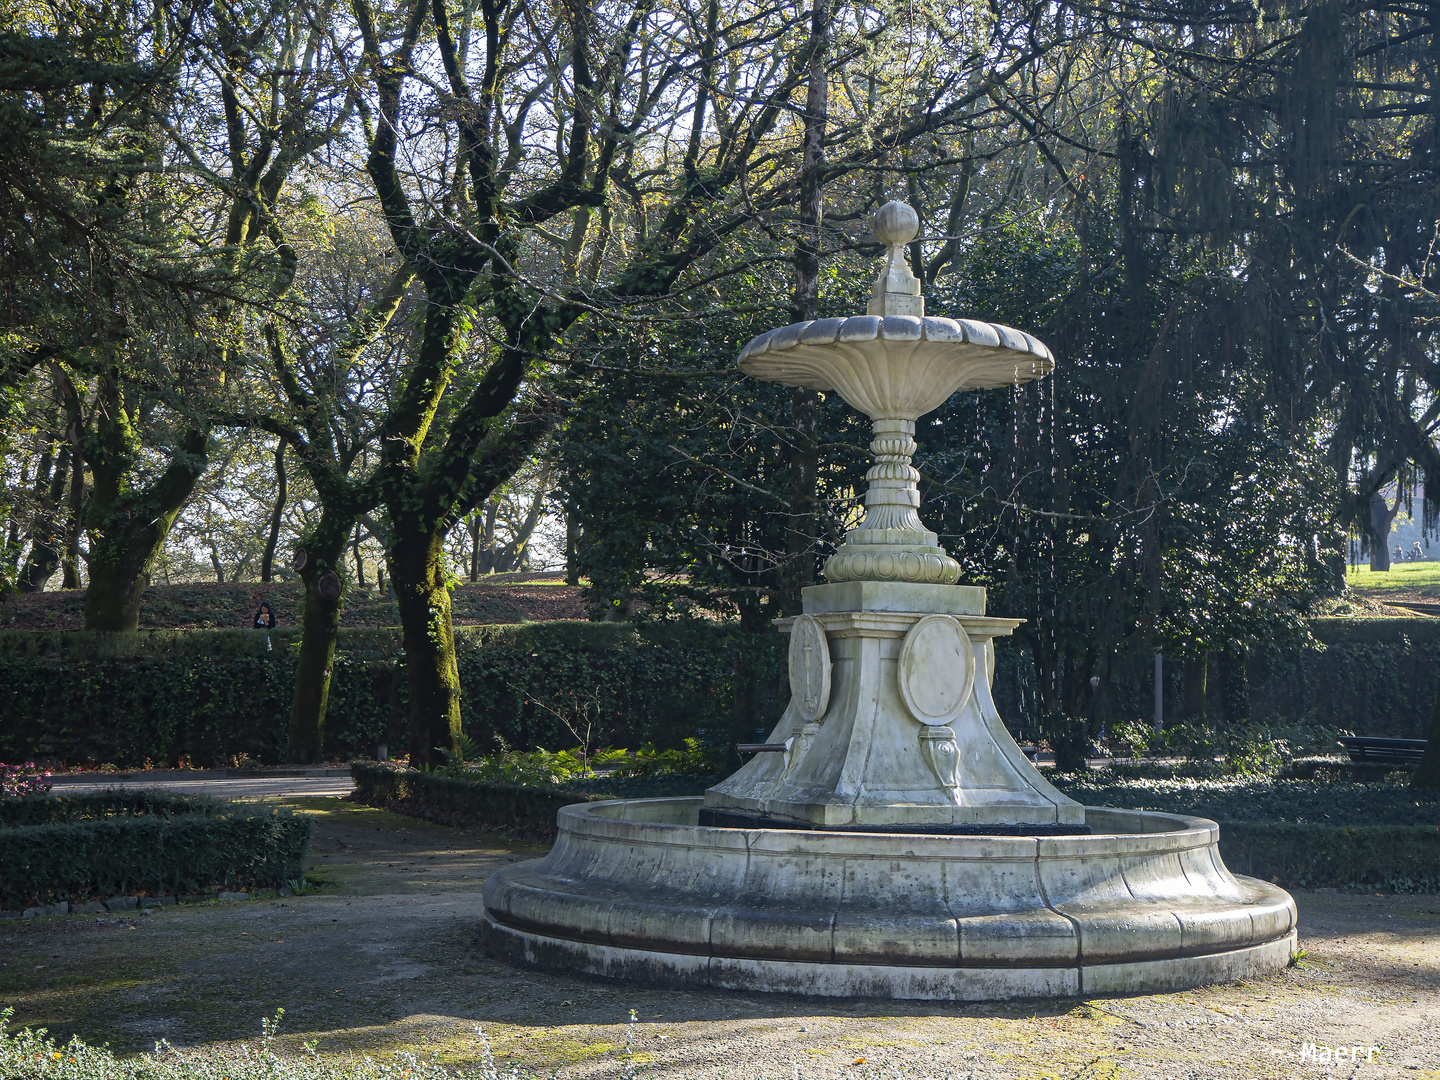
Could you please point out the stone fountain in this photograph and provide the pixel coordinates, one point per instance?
(890, 839)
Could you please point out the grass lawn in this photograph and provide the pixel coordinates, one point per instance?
(1417, 581)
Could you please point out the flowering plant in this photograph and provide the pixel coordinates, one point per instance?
(20, 780)
(32, 1054)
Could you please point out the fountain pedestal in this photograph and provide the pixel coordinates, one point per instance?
(901, 731)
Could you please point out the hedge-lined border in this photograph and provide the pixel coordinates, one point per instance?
(513, 808)
(73, 849)
(210, 696)
(1401, 857)
(1404, 857)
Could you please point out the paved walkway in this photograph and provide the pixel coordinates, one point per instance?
(220, 783)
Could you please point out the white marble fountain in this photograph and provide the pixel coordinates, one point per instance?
(891, 840)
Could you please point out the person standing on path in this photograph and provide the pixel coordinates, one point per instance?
(265, 622)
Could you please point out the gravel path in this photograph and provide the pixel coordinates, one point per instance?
(217, 784)
(386, 954)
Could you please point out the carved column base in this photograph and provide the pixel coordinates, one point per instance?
(891, 562)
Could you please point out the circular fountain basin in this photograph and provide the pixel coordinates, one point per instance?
(636, 889)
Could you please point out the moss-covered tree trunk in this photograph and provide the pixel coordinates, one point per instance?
(318, 561)
(417, 568)
(127, 523)
(277, 515)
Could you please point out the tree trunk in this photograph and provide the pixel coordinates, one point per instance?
(1427, 773)
(123, 547)
(1381, 517)
(417, 572)
(486, 561)
(267, 562)
(359, 561)
(218, 566)
(127, 525)
(572, 549)
(1195, 672)
(75, 521)
(119, 576)
(44, 556)
(472, 526)
(324, 597)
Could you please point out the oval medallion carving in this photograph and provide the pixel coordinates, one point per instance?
(809, 668)
(936, 670)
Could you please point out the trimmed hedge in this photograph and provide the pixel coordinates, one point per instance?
(1405, 858)
(113, 844)
(209, 695)
(1395, 856)
(514, 808)
(525, 811)
(1299, 833)
(1369, 676)
(1299, 802)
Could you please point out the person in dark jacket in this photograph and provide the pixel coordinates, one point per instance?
(264, 618)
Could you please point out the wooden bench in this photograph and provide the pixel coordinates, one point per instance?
(1370, 751)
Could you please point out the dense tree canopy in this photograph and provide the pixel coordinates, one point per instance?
(303, 288)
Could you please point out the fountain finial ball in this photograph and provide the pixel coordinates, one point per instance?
(896, 223)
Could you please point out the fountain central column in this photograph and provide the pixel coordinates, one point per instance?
(891, 722)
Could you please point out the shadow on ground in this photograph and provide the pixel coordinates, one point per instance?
(386, 953)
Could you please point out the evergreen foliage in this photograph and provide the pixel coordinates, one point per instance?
(73, 849)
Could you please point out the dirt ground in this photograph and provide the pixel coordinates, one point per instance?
(386, 953)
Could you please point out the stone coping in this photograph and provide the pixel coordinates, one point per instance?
(675, 821)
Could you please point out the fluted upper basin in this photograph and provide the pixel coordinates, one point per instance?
(896, 366)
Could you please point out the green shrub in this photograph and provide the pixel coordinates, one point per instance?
(212, 695)
(525, 811)
(1361, 675)
(1401, 857)
(33, 1055)
(1294, 801)
(1301, 834)
(56, 849)
(534, 768)
(522, 809)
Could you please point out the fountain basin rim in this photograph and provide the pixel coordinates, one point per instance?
(668, 821)
(885, 915)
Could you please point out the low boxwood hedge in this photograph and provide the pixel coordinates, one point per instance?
(523, 811)
(1405, 858)
(1384, 836)
(1296, 802)
(1298, 833)
(515, 808)
(55, 849)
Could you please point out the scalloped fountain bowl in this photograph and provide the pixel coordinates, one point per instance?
(638, 890)
(896, 366)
